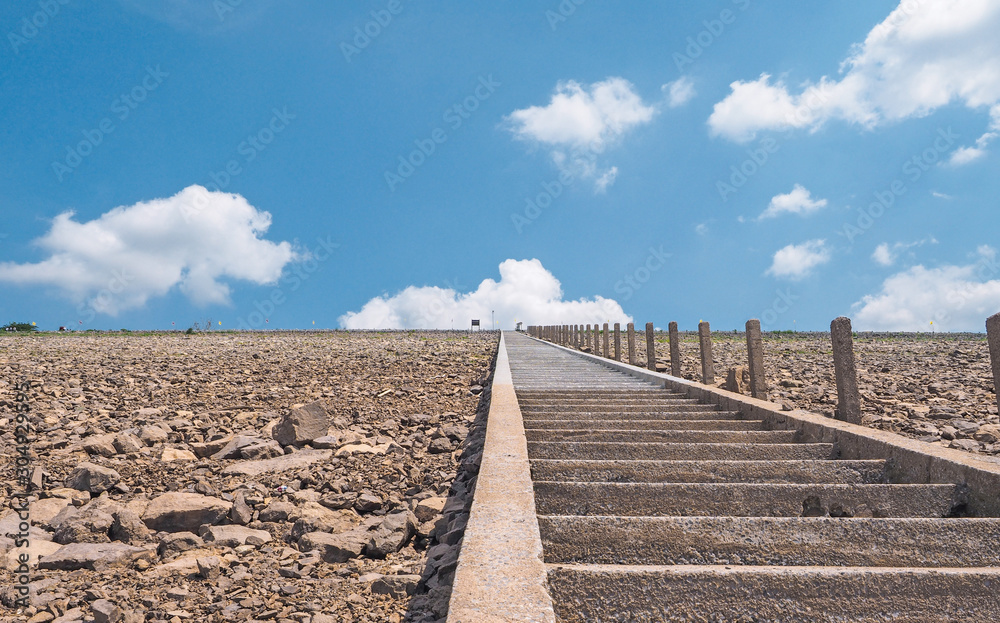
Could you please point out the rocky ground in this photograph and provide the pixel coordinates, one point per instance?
(934, 387)
(294, 477)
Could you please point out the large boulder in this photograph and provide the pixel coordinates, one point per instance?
(184, 512)
(276, 511)
(301, 425)
(101, 445)
(313, 517)
(93, 556)
(178, 542)
(208, 448)
(267, 449)
(90, 524)
(152, 435)
(234, 536)
(336, 548)
(128, 527)
(391, 535)
(232, 450)
(127, 443)
(92, 478)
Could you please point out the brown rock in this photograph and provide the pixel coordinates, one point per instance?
(101, 445)
(233, 536)
(429, 509)
(92, 478)
(335, 548)
(93, 556)
(105, 612)
(128, 527)
(300, 426)
(179, 512)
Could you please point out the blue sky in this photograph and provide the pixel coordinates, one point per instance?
(602, 140)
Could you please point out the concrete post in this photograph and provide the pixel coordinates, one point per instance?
(707, 363)
(630, 334)
(848, 397)
(597, 340)
(607, 340)
(586, 337)
(618, 341)
(650, 348)
(755, 356)
(993, 337)
(675, 350)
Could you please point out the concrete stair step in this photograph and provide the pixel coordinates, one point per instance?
(597, 593)
(631, 394)
(663, 436)
(744, 499)
(791, 541)
(587, 450)
(625, 415)
(651, 424)
(792, 472)
(622, 401)
(557, 407)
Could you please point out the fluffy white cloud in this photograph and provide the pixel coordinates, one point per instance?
(193, 240)
(796, 261)
(799, 201)
(926, 54)
(526, 292)
(579, 123)
(679, 92)
(955, 298)
(883, 255)
(886, 254)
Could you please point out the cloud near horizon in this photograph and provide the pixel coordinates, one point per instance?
(580, 122)
(194, 241)
(526, 292)
(955, 298)
(925, 55)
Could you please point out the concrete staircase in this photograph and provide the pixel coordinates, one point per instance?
(652, 507)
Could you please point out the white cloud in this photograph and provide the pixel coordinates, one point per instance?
(679, 92)
(526, 292)
(579, 123)
(883, 255)
(886, 254)
(938, 195)
(799, 201)
(607, 179)
(955, 298)
(796, 261)
(965, 155)
(701, 229)
(924, 55)
(193, 240)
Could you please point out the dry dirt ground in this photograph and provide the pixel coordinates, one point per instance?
(933, 387)
(298, 477)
